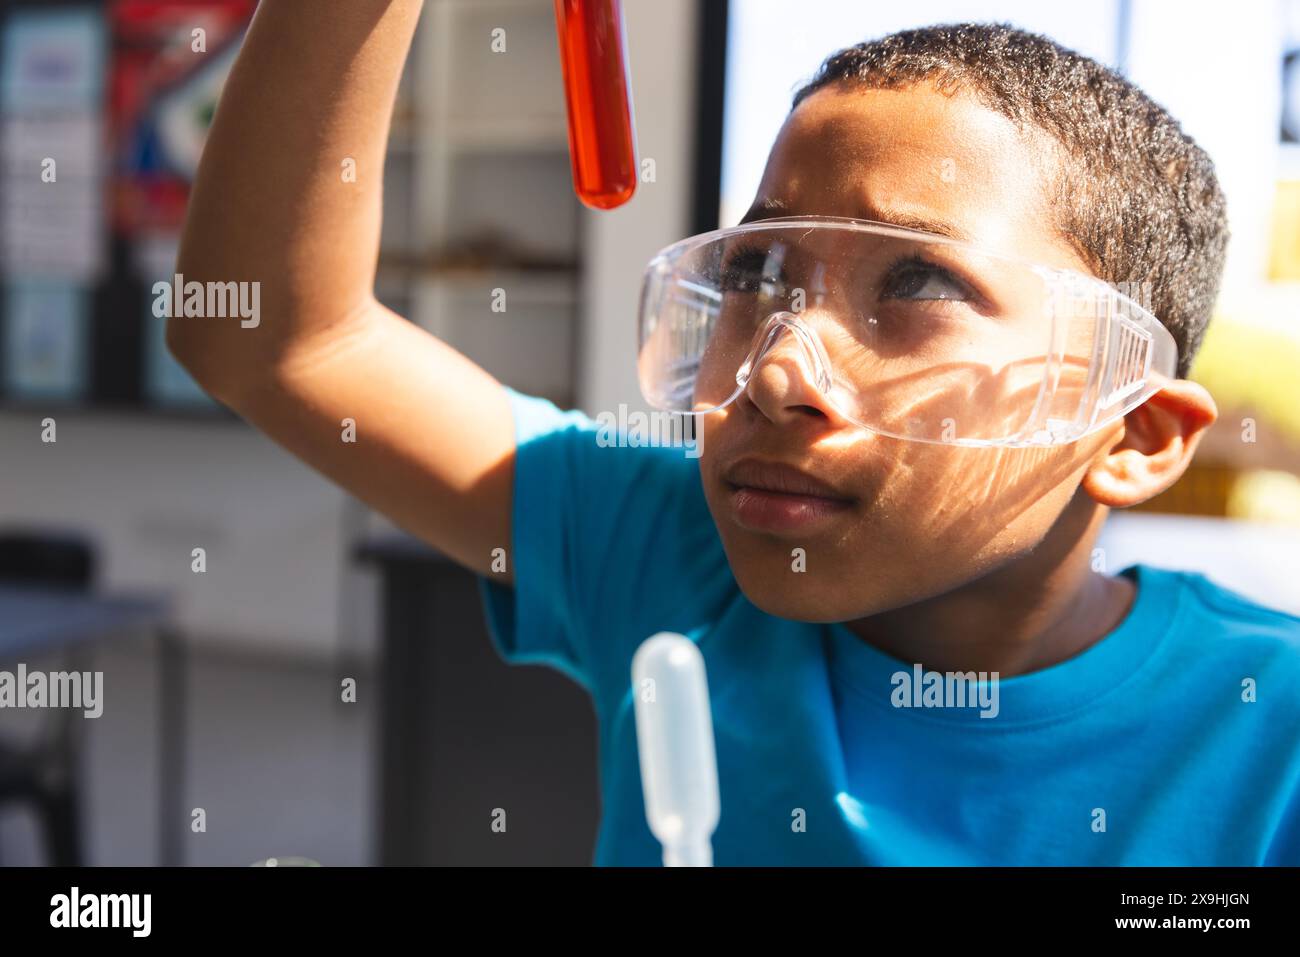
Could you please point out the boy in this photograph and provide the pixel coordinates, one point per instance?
(1122, 733)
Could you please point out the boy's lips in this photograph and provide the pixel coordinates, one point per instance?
(774, 497)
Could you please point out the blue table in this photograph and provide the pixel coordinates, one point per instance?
(36, 621)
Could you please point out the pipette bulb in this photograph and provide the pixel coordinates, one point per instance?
(674, 728)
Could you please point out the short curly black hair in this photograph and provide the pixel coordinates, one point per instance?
(1136, 198)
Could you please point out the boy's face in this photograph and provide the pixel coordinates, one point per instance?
(894, 522)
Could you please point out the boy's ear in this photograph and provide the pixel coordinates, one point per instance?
(1159, 439)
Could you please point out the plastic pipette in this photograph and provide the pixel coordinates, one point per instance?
(674, 735)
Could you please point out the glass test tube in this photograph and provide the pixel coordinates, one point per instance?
(602, 136)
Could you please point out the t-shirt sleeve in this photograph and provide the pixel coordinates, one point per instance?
(535, 620)
(603, 538)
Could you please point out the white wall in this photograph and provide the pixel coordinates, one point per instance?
(150, 489)
(775, 48)
(1253, 558)
(1216, 67)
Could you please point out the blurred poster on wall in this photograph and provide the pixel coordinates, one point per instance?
(166, 382)
(51, 108)
(45, 340)
(53, 244)
(170, 60)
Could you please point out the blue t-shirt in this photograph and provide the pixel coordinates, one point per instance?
(1173, 740)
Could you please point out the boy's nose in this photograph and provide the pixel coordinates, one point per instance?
(789, 375)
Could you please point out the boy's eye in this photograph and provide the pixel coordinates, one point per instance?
(920, 280)
(748, 270)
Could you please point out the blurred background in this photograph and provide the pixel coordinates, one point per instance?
(323, 686)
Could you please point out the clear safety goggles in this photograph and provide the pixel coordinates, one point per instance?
(905, 333)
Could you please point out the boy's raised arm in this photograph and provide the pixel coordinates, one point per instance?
(313, 88)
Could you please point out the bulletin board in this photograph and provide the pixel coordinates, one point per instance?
(104, 107)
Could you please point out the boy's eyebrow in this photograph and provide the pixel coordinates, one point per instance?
(771, 208)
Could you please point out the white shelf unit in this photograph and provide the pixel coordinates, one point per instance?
(478, 193)
(527, 346)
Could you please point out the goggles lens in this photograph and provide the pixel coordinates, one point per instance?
(904, 333)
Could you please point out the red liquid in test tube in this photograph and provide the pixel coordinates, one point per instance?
(602, 139)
